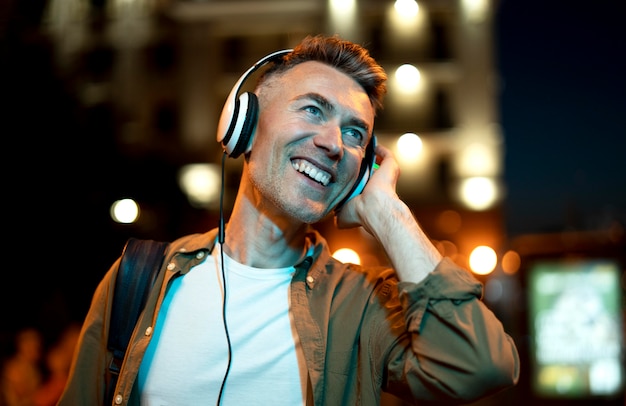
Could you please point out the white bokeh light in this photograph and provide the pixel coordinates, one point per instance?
(407, 78)
(406, 8)
(478, 193)
(409, 147)
(201, 183)
(124, 211)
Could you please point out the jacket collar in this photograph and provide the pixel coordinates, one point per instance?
(313, 265)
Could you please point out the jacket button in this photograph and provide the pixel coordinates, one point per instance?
(148, 331)
(310, 279)
(200, 255)
(171, 266)
(119, 399)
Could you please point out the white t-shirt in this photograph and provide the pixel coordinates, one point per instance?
(186, 360)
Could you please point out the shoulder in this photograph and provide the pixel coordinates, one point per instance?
(193, 242)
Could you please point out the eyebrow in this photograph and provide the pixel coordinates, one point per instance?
(330, 107)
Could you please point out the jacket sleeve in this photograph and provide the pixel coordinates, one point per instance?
(454, 348)
(86, 382)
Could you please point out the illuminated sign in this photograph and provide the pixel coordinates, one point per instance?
(576, 328)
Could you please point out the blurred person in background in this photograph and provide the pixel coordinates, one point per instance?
(58, 360)
(22, 371)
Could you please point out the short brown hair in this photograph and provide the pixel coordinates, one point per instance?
(352, 59)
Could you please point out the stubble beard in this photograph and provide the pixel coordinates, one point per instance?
(281, 201)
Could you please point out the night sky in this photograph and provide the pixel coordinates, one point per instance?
(563, 107)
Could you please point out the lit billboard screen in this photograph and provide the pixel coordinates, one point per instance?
(576, 328)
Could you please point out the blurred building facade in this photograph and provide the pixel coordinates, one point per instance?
(154, 77)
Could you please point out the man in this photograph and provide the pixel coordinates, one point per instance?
(260, 313)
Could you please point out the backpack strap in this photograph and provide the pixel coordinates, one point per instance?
(139, 266)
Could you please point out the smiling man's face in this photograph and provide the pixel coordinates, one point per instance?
(314, 124)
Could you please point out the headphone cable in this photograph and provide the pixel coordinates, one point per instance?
(221, 241)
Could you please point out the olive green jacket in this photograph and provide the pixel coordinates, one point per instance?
(362, 332)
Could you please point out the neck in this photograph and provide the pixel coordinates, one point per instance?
(255, 239)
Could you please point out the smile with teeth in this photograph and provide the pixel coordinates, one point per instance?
(311, 171)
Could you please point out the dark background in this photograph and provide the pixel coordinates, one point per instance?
(562, 107)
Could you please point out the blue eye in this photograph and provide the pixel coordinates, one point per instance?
(354, 136)
(313, 110)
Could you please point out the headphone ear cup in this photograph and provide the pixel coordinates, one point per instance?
(243, 123)
(237, 122)
(365, 171)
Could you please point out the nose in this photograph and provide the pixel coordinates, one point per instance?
(329, 139)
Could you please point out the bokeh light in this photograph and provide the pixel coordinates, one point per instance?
(483, 260)
(125, 211)
(347, 255)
